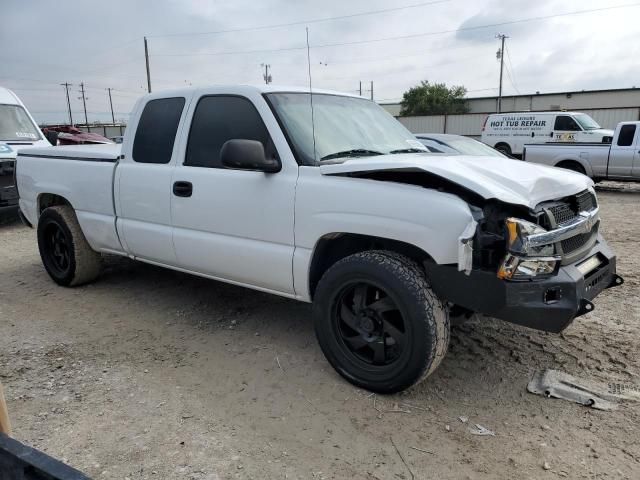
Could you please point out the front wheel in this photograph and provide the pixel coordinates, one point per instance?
(379, 323)
(65, 253)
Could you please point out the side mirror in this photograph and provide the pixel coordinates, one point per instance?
(247, 155)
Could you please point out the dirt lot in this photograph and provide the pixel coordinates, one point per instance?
(154, 374)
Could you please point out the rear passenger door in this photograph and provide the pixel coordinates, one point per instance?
(235, 225)
(623, 157)
(142, 188)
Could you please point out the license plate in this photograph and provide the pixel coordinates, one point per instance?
(589, 265)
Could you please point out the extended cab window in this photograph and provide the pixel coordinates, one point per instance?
(157, 129)
(218, 119)
(625, 138)
(566, 123)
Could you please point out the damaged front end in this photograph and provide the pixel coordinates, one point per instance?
(538, 267)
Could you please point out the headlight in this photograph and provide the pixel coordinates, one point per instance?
(517, 232)
(523, 261)
(520, 268)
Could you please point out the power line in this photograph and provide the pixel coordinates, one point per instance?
(511, 79)
(401, 37)
(510, 71)
(49, 82)
(477, 27)
(301, 22)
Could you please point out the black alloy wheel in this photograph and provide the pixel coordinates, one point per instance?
(370, 324)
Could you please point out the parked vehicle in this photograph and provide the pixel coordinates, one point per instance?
(70, 135)
(343, 209)
(456, 145)
(619, 160)
(508, 132)
(17, 130)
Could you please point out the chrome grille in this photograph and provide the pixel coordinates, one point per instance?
(562, 213)
(572, 244)
(559, 213)
(586, 201)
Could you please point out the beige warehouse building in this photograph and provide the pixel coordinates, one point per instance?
(607, 107)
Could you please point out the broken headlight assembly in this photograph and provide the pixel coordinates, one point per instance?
(524, 261)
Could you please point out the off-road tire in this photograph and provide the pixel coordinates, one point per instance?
(83, 262)
(425, 316)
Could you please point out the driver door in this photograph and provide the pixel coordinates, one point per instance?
(234, 225)
(565, 129)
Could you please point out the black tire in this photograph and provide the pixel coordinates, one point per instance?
(398, 313)
(573, 166)
(503, 148)
(65, 253)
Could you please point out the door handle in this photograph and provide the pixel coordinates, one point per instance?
(182, 189)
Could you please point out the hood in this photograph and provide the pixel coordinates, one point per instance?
(601, 132)
(510, 181)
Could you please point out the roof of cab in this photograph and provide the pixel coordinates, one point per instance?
(248, 88)
(7, 97)
(559, 112)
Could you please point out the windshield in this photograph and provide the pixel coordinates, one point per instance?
(344, 127)
(467, 146)
(15, 124)
(586, 122)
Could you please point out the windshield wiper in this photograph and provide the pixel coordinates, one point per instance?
(356, 152)
(408, 150)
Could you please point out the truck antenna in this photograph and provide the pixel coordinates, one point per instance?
(313, 127)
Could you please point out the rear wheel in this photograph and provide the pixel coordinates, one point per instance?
(65, 253)
(503, 148)
(379, 323)
(573, 166)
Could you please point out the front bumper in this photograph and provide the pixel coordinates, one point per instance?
(548, 304)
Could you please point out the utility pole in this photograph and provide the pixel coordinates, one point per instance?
(146, 59)
(113, 118)
(84, 103)
(267, 78)
(500, 56)
(370, 89)
(66, 86)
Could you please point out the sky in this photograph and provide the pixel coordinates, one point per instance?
(394, 44)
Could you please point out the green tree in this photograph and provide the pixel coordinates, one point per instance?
(433, 99)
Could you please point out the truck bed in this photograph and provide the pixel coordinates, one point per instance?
(82, 174)
(568, 144)
(593, 158)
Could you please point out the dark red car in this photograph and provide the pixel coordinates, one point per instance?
(68, 135)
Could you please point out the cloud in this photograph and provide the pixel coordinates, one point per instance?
(100, 43)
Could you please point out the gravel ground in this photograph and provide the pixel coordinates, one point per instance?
(149, 373)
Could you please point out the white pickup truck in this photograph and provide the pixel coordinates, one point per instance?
(618, 160)
(331, 202)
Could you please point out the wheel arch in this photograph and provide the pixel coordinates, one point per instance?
(575, 161)
(332, 247)
(46, 200)
(503, 143)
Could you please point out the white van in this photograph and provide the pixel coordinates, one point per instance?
(509, 132)
(18, 130)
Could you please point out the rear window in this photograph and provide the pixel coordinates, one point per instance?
(156, 132)
(16, 126)
(625, 138)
